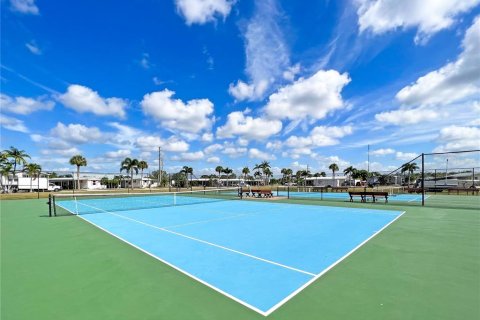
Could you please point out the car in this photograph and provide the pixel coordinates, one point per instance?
(53, 187)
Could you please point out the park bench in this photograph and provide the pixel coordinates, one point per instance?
(339, 189)
(259, 193)
(414, 190)
(368, 194)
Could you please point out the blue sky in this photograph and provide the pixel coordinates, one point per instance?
(233, 83)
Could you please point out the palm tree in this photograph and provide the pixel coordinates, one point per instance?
(284, 174)
(219, 169)
(349, 171)
(79, 161)
(142, 165)
(264, 166)
(18, 157)
(228, 172)
(187, 170)
(33, 170)
(268, 173)
(289, 173)
(130, 165)
(334, 168)
(257, 169)
(245, 172)
(5, 170)
(410, 168)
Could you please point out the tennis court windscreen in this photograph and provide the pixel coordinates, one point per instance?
(66, 204)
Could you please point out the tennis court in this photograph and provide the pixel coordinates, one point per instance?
(259, 254)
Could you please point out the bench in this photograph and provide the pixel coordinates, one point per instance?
(259, 193)
(320, 189)
(368, 194)
(339, 189)
(467, 190)
(414, 190)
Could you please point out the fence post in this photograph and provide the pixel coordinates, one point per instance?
(288, 192)
(423, 179)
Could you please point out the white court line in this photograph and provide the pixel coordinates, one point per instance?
(278, 305)
(208, 220)
(203, 241)
(173, 266)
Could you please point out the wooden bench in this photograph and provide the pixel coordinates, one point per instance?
(467, 190)
(368, 194)
(259, 193)
(414, 190)
(320, 189)
(339, 189)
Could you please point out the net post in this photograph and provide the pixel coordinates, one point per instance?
(240, 194)
(49, 205)
(288, 192)
(423, 179)
(54, 206)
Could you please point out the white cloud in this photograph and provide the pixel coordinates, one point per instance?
(382, 152)
(213, 148)
(23, 105)
(454, 81)
(320, 136)
(151, 143)
(76, 133)
(12, 124)
(408, 116)
(189, 156)
(145, 61)
(406, 156)
(312, 97)
(207, 137)
(274, 145)
(291, 72)
(247, 127)
(24, 6)
(33, 48)
(119, 154)
(83, 99)
(174, 114)
(234, 152)
(213, 160)
(69, 152)
(267, 54)
(254, 153)
(428, 16)
(455, 138)
(203, 11)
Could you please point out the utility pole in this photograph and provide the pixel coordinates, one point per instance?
(368, 159)
(160, 166)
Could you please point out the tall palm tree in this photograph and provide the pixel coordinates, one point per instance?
(5, 170)
(33, 170)
(268, 173)
(79, 161)
(264, 166)
(18, 157)
(284, 174)
(187, 170)
(129, 165)
(410, 168)
(349, 171)
(245, 172)
(219, 169)
(257, 169)
(142, 165)
(334, 168)
(289, 173)
(228, 172)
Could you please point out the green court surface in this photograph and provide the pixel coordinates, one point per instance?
(426, 265)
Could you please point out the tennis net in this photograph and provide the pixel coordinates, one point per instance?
(67, 204)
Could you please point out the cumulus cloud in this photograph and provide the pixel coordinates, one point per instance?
(254, 153)
(23, 105)
(12, 124)
(291, 72)
(203, 11)
(382, 152)
(189, 156)
(407, 116)
(247, 127)
(151, 143)
(312, 97)
(244, 91)
(213, 160)
(455, 138)
(320, 136)
(191, 117)
(405, 156)
(83, 99)
(76, 133)
(24, 6)
(454, 81)
(234, 152)
(119, 154)
(213, 148)
(428, 16)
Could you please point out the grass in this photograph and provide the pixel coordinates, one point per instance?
(424, 266)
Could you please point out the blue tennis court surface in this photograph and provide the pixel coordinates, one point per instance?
(258, 253)
(346, 197)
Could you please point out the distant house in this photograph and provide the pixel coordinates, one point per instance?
(92, 181)
(326, 181)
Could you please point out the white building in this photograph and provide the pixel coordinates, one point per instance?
(326, 181)
(93, 181)
(21, 181)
